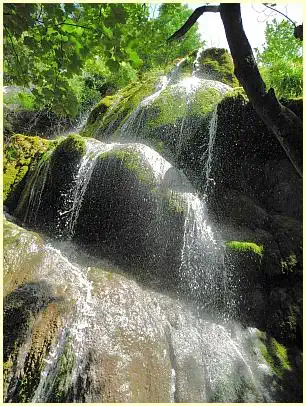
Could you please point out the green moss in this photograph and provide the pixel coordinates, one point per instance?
(19, 154)
(275, 354)
(237, 93)
(174, 203)
(218, 64)
(116, 109)
(244, 246)
(132, 161)
(74, 144)
(63, 381)
(288, 265)
(171, 107)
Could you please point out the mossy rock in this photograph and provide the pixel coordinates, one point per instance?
(21, 154)
(275, 354)
(133, 162)
(51, 182)
(125, 212)
(71, 147)
(109, 113)
(31, 313)
(244, 246)
(217, 64)
(286, 366)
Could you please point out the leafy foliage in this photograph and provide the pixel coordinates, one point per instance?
(281, 61)
(49, 47)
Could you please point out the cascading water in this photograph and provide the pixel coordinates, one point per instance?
(74, 197)
(135, 121)
(208, 154)
(114, 326)
(36, 187)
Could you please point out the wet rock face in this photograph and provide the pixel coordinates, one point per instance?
(127, 216)
(31, 313)
(258, 198)
(49, 183)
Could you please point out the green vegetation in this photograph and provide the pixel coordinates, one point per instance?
(132, 161)
(74, 146)
(174, 203)
(21, 152)
(115, 109)
(75, 53)
(275, 354)
(63, 381)
(244, 246)
(217, 64)
(281, 60)
(20, 99)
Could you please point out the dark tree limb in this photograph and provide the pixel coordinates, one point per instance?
(298, 32)
(192, 20)
(285, 125)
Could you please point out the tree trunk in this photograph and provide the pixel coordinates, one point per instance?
(286, 126)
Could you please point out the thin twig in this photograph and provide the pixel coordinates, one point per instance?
(271, 8)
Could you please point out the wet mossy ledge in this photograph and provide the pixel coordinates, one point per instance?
(132, 161)
(285, 365)
(73, 146)
(108, 114)
(217, 64)
(169, 108)
(21, 155)
(244, 246)
(275, 354)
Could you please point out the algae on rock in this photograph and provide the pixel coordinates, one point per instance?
(21, 155)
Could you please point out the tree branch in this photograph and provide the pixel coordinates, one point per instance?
(277, 11)
(192, 20)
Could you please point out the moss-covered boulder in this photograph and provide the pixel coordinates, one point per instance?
(217, 64)
(21, 154)
(285, 365)
(46, 191)
(128, 211)
(246, 281)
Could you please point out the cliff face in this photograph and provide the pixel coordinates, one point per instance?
(258, 197)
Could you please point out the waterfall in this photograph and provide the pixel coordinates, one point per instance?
(196, 63)
(116, 328)
(201, 267)
(134, 123)
(77, 327)
(35, 190)
(73, 199)
(207, 156)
